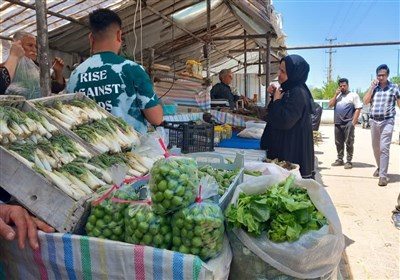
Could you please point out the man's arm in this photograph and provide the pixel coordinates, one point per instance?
(154, 115)
(368, 95)
(332, 102)
(356, 116)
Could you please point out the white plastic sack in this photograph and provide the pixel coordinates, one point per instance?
(251, 132)
(317, 253)
(268, 168)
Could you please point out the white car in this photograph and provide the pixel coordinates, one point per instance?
(327, 116)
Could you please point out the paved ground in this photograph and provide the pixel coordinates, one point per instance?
(372, 242)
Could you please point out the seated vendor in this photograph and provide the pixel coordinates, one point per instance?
(222, 90)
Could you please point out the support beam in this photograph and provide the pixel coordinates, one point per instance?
(245, 63)
(321, 46)
(154, 11)
(241, 37)
(43, 47)
(34, 7)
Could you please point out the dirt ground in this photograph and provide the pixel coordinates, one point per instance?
(365, 209)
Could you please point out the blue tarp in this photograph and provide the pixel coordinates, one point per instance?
(240, 143)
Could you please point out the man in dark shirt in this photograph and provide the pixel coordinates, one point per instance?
(222, 90)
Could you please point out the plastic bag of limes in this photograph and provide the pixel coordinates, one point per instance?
(106, 219)
(143, 226)
(198, 230)
(173, 184)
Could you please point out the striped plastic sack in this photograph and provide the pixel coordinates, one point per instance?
(65, 256)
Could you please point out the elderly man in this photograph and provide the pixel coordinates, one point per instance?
(222, 90)
(28, 42)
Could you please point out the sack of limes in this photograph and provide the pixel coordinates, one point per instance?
(144, 227)
(106, 219)
(199, 228)
(173, 184)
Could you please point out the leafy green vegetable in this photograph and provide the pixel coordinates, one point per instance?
(284, 211)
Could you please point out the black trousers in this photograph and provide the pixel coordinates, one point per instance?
(344, 135)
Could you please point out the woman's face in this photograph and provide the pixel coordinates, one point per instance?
(282, 75)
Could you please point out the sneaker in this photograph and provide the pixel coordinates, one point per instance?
(376, 173)
(348, 165)
(338, 162)
(396, 220)
(382, 181)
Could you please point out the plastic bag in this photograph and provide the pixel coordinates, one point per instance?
(143, 226)
(251, 132)
(198, 230)
(173, 184)
(106, 219)
(268, 168)
(150, 146)
(26, 80)
(316, 254)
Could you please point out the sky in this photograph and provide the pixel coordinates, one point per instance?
(311, 22)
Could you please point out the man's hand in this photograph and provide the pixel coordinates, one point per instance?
(17, 50)
(58, 65)
(26, 225)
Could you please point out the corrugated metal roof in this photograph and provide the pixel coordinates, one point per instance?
(149, 24)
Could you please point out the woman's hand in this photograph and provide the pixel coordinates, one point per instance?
(278, 94)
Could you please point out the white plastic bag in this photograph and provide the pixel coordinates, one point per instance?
(316, 254)
(26, 80)
(251, 132)
(268, 168)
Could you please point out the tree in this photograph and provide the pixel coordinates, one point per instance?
(329, 89)
(395, 79)
(317, 93)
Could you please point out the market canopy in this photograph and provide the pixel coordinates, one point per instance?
(175, 29)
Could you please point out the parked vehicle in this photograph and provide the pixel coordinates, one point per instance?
(327, 113)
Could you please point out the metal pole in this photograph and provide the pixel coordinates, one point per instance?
(43, 47)
(267, 68)
(398, 62)
(207, 46)
(151, 64)
(245, 64)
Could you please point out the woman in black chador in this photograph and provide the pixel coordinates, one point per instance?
(288, 134)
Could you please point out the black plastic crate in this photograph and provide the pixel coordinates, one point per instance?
(190, 137)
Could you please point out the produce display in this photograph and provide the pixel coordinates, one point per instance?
(198, 230)
(143, 226)
(173, 184)
(82, 116)
(33, 140)
(106, 219)
(284, 212)
(224, 178)
(38, 144)
(282, 163)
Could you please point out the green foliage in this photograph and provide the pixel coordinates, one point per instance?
(395, 79)
(329, 89)
(317, 93)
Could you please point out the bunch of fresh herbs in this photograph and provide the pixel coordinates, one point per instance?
(284, 211)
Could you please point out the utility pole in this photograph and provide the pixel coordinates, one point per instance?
(330, 58)
(398, 62)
